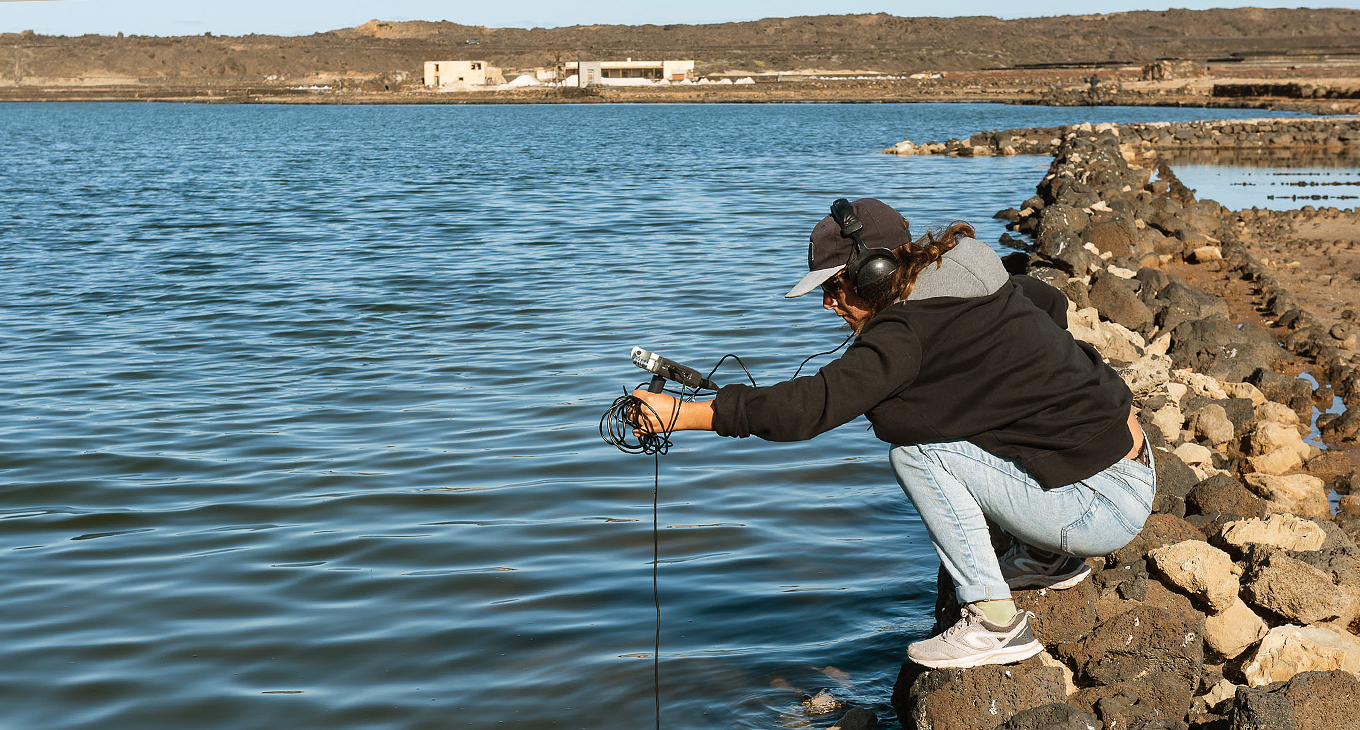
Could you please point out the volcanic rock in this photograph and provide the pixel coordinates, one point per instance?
(1295, 590)
(1136, 642)
(1234, 630)
(1199, 569)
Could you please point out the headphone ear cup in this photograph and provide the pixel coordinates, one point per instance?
(872, 273)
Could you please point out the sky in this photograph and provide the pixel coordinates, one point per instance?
(302, 17)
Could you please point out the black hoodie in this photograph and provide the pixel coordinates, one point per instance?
(998, 370)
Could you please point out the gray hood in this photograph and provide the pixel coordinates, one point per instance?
(970, 269)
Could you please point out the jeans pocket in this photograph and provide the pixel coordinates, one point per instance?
(1128, 484)
(1100, 530)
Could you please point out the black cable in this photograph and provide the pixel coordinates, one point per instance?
(819, 354)
(656, 591)
(617, 425)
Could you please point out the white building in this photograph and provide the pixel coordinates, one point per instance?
(461, 74)
(629, 72)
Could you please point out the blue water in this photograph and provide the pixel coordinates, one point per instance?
(301, 412)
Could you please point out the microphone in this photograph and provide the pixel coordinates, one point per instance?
(663, 369)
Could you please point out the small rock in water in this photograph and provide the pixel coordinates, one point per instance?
(821, 703)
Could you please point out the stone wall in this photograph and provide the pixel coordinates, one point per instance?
(1238, 605)
(1327, 133)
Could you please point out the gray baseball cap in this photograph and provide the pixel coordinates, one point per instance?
(828, 251)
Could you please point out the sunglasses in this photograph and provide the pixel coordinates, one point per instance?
(831, 287)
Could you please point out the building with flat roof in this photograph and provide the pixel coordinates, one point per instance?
(461, 74)
(624, 73)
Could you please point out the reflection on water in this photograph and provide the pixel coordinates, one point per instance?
(302, 412)
(1273, 179)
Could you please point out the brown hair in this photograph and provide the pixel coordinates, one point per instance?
(913, 258)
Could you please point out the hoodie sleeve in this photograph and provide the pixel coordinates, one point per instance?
(1045, 297)
(882, 362)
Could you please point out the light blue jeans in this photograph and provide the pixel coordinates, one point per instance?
(956, 487)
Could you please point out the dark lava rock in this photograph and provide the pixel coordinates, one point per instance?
(1242, 414)
(1055, 716)
(1328, 700)
(974, 699)
(1284, 389)
(1118, 302)
(1159, 530)
(1218, 347)
(1174, 478)
(1061, 219)
(857, 719)
(1137, 642)
(1222, 493)
(1156, 696)
(1186, 303)
(1345, 427)
(1116, 236)
(1254, 709)
(1059, 616)
(1064, 250)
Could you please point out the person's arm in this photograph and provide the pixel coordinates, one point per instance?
(1045, 297)
(656, 416)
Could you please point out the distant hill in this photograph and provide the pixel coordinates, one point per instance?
(385, 52)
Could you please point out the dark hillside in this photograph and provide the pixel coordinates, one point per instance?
(382, 52)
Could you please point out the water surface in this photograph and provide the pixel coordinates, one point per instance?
(302, 403)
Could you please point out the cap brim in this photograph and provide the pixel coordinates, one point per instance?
(813, 280)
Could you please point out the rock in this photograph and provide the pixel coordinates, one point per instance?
(1150, 699)
(1112, 340)
(1174, 478)
(1211, 423)
(1329, 700)
(1199, 384)
(1221, 692)
(1295, 590)
(1200, 570)
(1216, 346)
(1282, 388)
(1159, 530)
(1301, 494)
(1194, 455)
(1059, 616)
(980, 698)
(1185, 303)
(856, 719)
(1245, 390)
(1222, 493)
(1234, 630)
(1053, 716)
(1205, 254)
(1255, 709)
(1270, 436)
(1240, 412)
(1276, 413)
(1277, 462)
(1284, 531)
(1139, 641)
(1048, 660)
(1288, 650)
(822, 703)
(1118, 302)
(1169, 420)
(1116, 237)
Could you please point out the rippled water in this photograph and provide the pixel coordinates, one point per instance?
(301, 412)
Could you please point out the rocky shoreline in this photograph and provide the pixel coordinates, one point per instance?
(1238, 605)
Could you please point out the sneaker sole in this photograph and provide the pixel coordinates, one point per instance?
(1030, 582)
(1007, 655)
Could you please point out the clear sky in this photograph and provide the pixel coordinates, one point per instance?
(301, 17)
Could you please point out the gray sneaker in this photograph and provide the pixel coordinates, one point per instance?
(975, 641)
(1026, 567)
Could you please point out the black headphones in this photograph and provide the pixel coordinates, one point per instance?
(869, 270)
